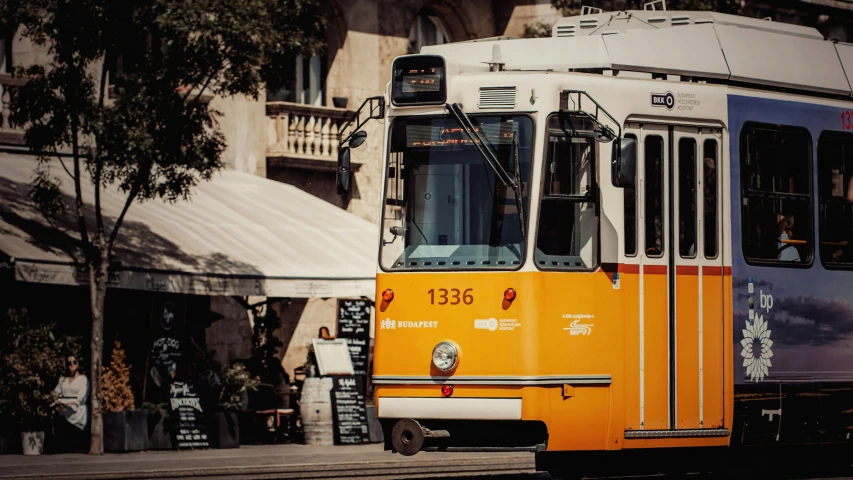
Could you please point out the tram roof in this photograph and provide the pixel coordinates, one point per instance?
(703, 45)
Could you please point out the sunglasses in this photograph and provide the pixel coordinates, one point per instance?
(71, 362)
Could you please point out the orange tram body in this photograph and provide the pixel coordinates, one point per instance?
(584, 256)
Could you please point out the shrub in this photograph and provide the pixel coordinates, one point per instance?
(117, 395)
(237, 380)
(32, 358)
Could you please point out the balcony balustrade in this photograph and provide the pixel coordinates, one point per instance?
(304, 136)
(9, 134)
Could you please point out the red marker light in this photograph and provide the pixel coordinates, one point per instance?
(446, 390)
(387, 295)
(509, 294)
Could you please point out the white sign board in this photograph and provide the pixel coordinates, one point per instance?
(333, 357)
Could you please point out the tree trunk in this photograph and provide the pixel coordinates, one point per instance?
(97, 291)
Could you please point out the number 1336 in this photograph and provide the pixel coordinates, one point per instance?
(453, 296)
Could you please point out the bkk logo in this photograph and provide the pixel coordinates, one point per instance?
(490, 324)
(663, 100)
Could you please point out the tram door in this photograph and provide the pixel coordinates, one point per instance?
(681, 277)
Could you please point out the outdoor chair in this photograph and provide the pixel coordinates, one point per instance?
(272, 421)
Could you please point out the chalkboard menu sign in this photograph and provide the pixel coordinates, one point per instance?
(354, 327)
(189, 430)
(349, 414)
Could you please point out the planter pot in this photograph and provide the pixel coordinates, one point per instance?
(223, 430)
(340, 102)
(125, 431)
(9, 438)
(158, 434)
(246, 420)
(32, 443)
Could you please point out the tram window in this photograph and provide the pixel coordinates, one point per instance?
(835, 195)
(653, 160)
(567, 236)
(710, 197)
(687, 198)
(776, 191)
(630, 200)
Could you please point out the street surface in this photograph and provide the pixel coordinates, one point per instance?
(363, 462)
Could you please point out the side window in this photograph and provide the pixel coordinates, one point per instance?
(687, 197)
(776, 191)
(653, 165)
(630, 200)
(6, 34)
(835, 197)
(710, 208)
(567, 237)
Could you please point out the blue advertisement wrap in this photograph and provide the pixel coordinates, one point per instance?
(791, 325)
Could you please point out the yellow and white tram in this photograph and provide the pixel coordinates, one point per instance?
(634, 235)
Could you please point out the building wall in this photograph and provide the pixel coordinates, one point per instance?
(364, 37)
(243, 122)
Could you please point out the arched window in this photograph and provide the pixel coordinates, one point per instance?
(427, 30)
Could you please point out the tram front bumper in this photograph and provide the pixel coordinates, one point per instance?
(412, 424)
(450, 408)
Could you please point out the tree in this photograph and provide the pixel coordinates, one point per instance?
(573, 7)
(536, 29)
(153, 135)
(265, 362)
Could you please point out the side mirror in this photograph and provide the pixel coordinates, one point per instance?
(357, 139)
(344, 174)
(623, 165)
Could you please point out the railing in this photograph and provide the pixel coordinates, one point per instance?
(8, 133)
(304, 132)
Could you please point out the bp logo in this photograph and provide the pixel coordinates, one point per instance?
(666, 100)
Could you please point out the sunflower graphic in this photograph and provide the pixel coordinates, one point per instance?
(756, 351)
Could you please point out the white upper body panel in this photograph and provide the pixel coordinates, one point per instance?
(700, 45)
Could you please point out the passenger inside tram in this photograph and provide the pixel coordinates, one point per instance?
(787, 251)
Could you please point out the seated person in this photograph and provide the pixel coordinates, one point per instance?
(787, 251)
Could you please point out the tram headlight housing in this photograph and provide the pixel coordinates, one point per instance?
(445, 356)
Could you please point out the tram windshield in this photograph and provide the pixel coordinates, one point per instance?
(445, 208)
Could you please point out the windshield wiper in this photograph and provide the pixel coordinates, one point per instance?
(512, 181)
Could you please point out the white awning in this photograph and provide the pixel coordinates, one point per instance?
(239, 234)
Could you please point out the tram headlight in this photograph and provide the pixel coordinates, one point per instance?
(445, 356)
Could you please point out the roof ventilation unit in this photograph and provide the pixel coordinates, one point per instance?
(680, 20)
(497, 97)
(566, 30)
(589, 23)
(587, 10)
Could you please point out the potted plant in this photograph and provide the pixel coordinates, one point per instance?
(31, 360)
(224, 428)
(125, 429)
(158, 430)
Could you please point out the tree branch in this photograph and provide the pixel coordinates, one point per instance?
(78, 192)
(134, 190)
(209, 78)
(99, 217)
(62, 162)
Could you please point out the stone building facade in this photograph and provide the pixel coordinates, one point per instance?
(291, 135)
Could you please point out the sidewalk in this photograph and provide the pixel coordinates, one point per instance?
(263, 461)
